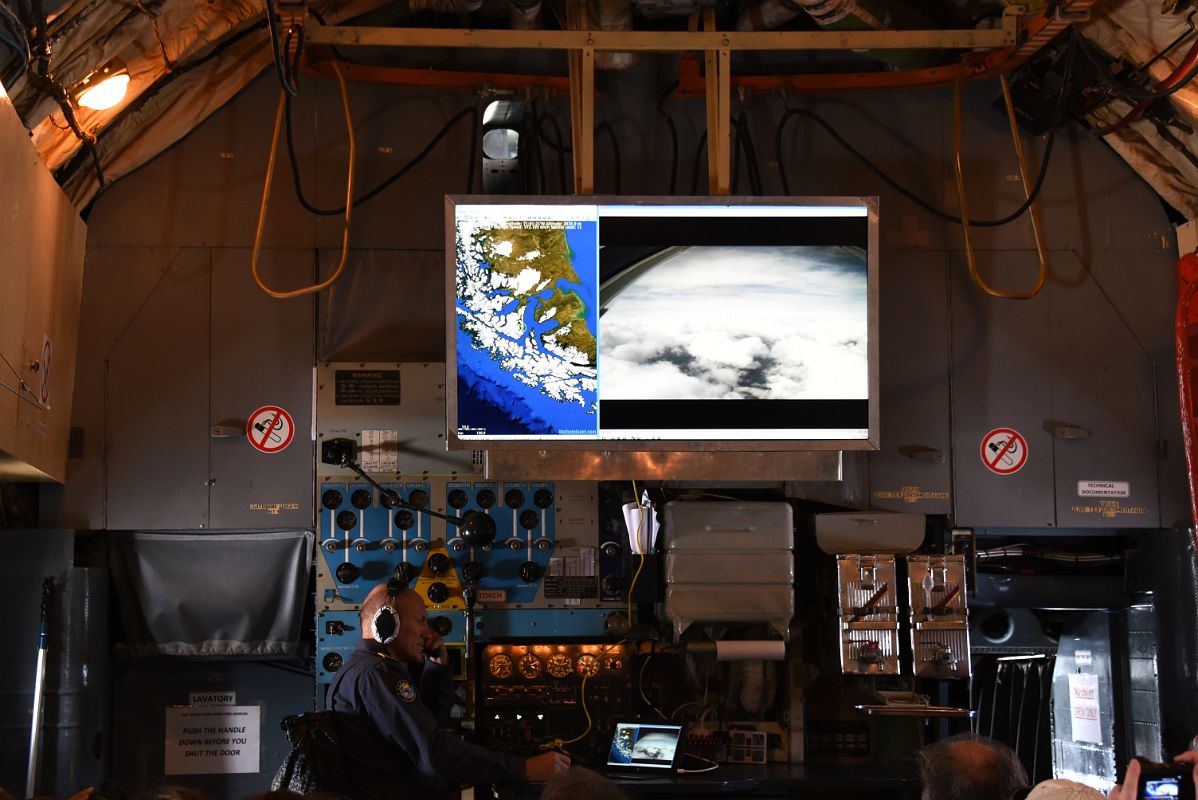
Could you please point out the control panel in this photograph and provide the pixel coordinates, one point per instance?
(531, 693)
(542, 569)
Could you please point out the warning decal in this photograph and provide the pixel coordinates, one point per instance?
(1004, 451)
(270, 429)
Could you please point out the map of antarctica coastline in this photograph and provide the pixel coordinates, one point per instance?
(527, 311)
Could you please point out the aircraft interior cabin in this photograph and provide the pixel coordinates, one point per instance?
(599, 399)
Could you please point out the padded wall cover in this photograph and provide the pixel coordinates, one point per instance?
(189, 594)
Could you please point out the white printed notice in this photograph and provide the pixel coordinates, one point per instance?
(1083, 708)
(207, 740)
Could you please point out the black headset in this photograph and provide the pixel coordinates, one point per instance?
(384, 625)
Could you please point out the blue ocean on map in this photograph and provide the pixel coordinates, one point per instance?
(495, 402)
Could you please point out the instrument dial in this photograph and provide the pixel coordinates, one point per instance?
(559, 665)
(588, 665)
(500, 666)
(529, 665)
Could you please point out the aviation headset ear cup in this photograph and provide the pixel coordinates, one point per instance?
(384, 626)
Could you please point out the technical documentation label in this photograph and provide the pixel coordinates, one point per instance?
(1103, 489)
(210, 740)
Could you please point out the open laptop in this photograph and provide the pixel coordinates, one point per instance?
(640, 750)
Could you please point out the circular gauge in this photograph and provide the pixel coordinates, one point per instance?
(559, 665)
(614, 663)
(588, 665)
(530, 666)
(500, 666)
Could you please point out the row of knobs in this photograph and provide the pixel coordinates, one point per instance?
(406, 520)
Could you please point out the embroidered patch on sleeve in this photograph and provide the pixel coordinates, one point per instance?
(405, 690)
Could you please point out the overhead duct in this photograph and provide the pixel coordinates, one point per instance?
(846, 15)
(611, 15)
(663, 9)
(524, 15)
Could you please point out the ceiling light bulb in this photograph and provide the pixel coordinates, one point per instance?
(105, 94)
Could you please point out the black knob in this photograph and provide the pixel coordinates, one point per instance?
(514, 498)
(610, 549)
(458, 498)
(347, 572)
(389, 499)
(441, 625)
(529, 519)
(335, 627)
(530, 571)
(477, 529)
(347, 520)
(472, 572)
(485, 498)
(438, 563)
(418, 498)
(332, 662)
(438, 592)
(331, 499)
(405, 572)
(542, 498)
(611, 584)
(405, 520)
(361, 498)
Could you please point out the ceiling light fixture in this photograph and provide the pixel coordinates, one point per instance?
(104, 88)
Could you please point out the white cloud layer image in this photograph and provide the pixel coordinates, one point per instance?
(713, 323)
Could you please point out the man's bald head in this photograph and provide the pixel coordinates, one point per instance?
(969, 767)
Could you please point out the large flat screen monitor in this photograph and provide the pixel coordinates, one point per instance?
(662, 323)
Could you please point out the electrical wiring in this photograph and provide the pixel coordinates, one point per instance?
(713, 765)
(558, 743)
(349, 193)
(285, 81)
(404, 170)
(640, 526)
(640, 687)
(1129, 94)
(560, 150)
(673, 134)
(615, 149)
(1058, 113)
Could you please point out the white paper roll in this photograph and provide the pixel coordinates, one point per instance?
(764, 650)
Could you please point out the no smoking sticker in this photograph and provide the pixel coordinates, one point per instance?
(270, 429)
(1004, 451)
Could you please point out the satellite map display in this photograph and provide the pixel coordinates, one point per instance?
(527, 315)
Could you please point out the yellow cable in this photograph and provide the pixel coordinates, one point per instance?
(640, 525)
(959, 173)
(349, 197)
(559, 744)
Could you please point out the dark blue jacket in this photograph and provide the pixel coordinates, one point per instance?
(391, 728)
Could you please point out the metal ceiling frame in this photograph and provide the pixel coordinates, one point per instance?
(717, 47)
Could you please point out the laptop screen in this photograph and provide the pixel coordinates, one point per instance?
(644, 746)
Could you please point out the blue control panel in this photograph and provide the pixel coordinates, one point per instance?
(511, 568)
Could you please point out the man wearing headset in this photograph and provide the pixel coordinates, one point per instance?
(395, 693)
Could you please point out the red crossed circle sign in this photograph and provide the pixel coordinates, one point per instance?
(270, 429)
(1004, 451)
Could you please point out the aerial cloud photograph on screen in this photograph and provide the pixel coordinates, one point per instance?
(725, 323)
(527, 319)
